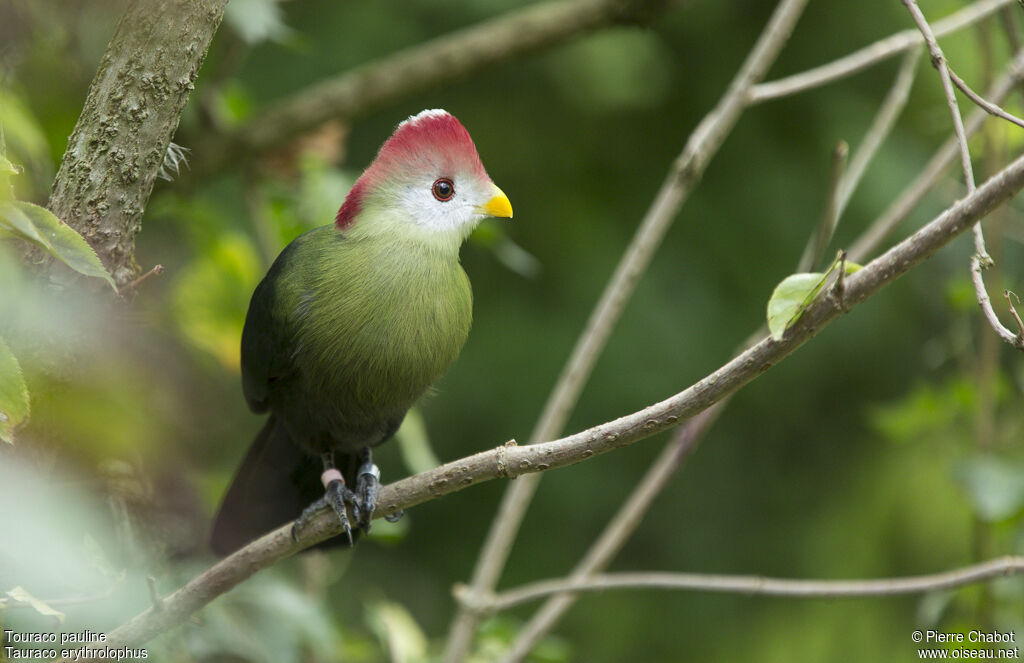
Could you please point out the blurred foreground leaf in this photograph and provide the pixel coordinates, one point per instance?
(14, 403)
(398, 631)
(212, 296)
(39, 226)
(21, 595)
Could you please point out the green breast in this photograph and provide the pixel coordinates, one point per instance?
(380, 322)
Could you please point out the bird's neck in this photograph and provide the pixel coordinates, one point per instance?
(391, 225)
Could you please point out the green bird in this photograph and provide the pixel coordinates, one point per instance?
(351, 325)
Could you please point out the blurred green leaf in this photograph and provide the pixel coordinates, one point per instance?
(995, 486)
(930, 412)
(23, 135)
(398, 631)
(39, 225)
(790, 299)
(211, 296)
(21, 595)
(14, 401)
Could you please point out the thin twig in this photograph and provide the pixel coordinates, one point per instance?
(157, 270)
(981, 102)
(881, 126)
(510, 460)
(980, 261)
(871, 54)
(687, 170)
(618, 530)
(815, 249)
(758, 585)
(905, 203)
(1013, 310)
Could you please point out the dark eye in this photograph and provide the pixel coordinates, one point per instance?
(443, 189)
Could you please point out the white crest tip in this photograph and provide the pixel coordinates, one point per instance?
(424, 114)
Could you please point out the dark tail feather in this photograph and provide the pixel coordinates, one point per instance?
(274, 483)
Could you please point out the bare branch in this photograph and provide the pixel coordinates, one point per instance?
(618, 530)
(120, 141)
(989, 107)
(980, 261)
(758, 585)
(687, 170)
(904, 204)
(510, 460)
(872, 54)
(815, 248)
(881, 126)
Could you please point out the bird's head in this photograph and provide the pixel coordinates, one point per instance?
(426, 182)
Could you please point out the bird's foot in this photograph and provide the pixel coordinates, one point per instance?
(336, 496)
(367, 489)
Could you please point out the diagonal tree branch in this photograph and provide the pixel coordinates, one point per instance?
(871, 54)
(980, 261)
(510, 460)
(120, 141)
(684, 175)
(621, 526)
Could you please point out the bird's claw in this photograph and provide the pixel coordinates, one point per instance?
(367, 489)
(337, 496)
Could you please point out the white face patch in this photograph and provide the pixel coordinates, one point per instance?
(458, 214)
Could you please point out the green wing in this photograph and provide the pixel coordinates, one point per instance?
(268, 338)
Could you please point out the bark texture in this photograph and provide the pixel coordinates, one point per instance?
(118, 145)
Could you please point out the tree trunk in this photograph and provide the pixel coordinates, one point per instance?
(119, 143)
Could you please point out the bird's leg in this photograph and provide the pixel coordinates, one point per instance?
(336, 495)
(367, 489)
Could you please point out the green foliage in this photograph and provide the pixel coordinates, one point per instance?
(397, 631)
(994, 485)
(794, 294)
(39, 226)
(211, 297)
(14, 401)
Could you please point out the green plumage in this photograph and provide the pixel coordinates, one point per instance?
(352, 324)
(347, 330)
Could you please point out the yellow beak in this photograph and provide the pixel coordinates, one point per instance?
(498, 205)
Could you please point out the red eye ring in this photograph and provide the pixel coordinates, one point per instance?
(443, 189)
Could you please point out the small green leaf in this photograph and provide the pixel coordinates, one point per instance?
(20, 595)
(790, 299)
(14, 403)
(852, 267)
(59, 239)
(15, 222)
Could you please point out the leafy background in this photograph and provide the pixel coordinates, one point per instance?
(888, 446)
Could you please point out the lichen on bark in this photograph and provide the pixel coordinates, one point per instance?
(136, 98)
